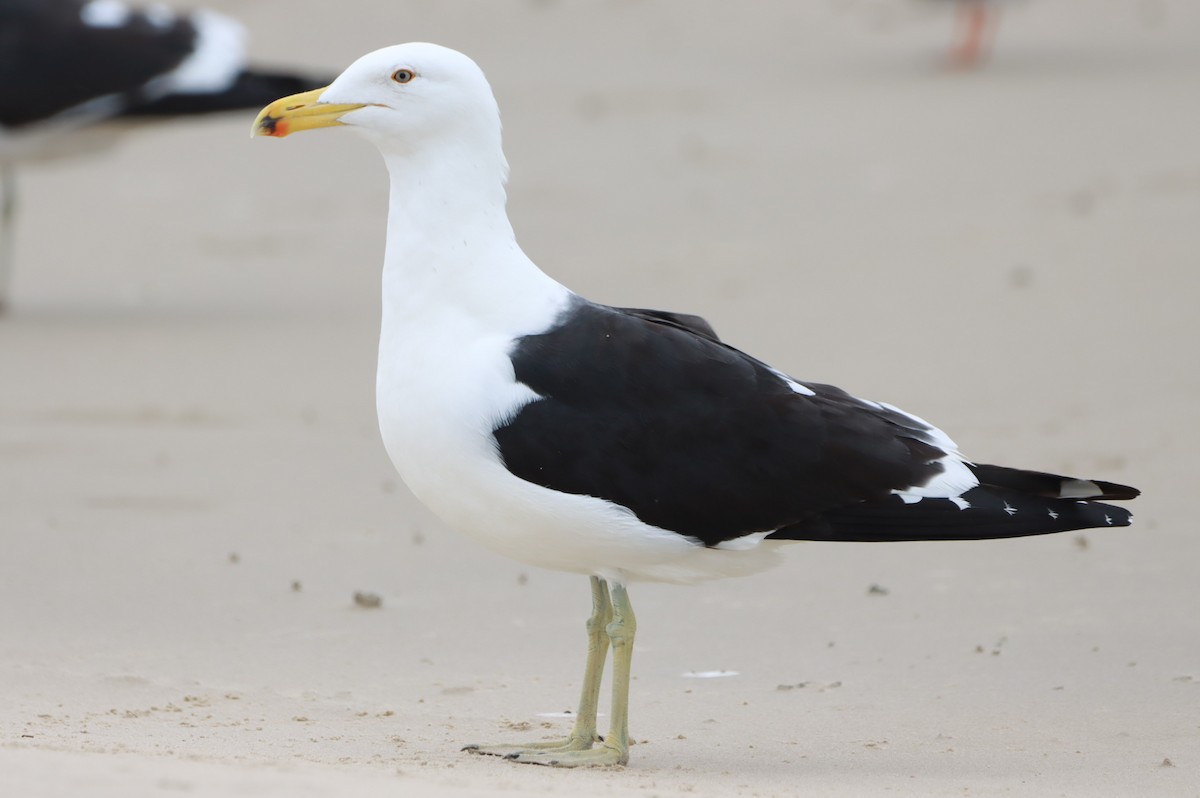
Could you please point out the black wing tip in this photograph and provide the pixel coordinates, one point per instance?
(1114, 491)
(982, 513)
(1053, 486)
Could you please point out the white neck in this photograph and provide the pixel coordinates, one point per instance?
(450, 246)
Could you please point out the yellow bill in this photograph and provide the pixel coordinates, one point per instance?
(300, 112)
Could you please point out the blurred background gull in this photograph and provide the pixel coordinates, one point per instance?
(70, 70)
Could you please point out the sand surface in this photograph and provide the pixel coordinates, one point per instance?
(192, 487)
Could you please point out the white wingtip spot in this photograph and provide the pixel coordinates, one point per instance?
(1079, 489)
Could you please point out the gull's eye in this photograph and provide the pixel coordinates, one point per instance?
(403, 75)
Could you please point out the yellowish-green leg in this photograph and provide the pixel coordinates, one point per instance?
(621, 633)
(583, 735)
(597, 628)
(614, 750)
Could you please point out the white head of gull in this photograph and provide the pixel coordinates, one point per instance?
(620, 443)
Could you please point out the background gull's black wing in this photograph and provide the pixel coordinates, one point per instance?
(52, 60)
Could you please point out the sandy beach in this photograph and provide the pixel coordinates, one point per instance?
(192, 486)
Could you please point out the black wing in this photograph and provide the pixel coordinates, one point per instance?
(650, 410)
(685, 321)
(51, 60)
(694, 436)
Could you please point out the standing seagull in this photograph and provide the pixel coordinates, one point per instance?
(67, 65)
(618, 443)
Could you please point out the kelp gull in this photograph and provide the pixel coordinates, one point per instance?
(619, 443)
